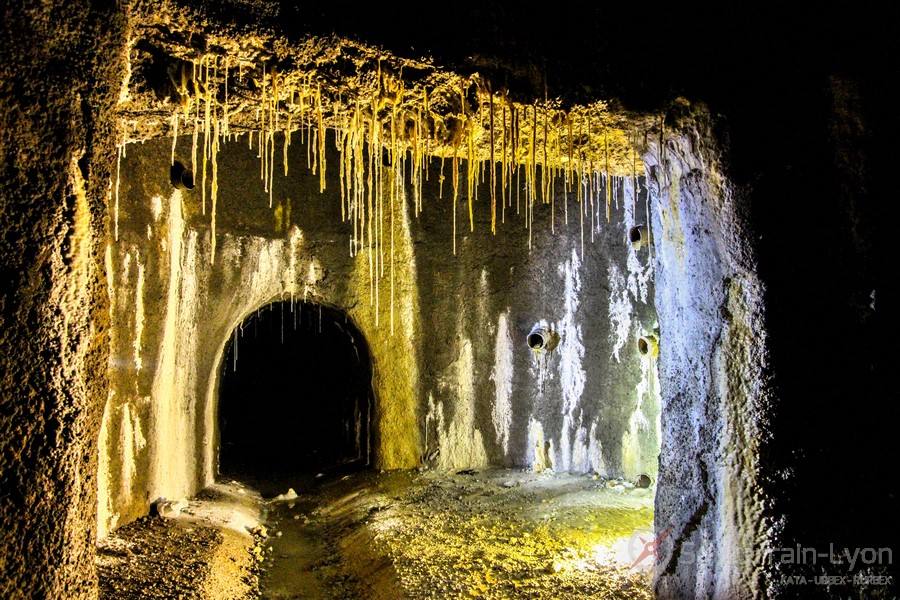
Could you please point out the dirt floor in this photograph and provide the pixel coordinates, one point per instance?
(486, 534)
(202, 549)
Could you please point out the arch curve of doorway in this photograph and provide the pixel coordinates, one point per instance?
(294, 394)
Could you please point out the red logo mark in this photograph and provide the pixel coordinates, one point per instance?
(651, 548)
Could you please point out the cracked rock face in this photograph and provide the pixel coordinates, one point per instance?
(712, 360)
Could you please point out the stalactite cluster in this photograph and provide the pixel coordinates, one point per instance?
(389, 129)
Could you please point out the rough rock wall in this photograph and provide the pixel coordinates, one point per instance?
(456, 384)
(710, 501)
(59, 76)
(175, 307)
(590, 404)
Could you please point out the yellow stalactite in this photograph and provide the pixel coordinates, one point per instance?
(455, 196)
(493, 172)
(606, 157)
(503, 164)
(214, 194)
(321, 133)
(534, 149)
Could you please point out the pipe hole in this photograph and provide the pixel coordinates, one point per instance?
(635, 235)
(181, 177)
(542, 338)
(643, 481)
(639, 236)
(648, 345)
(535, 341)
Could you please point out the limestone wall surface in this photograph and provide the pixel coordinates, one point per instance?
(456, 384)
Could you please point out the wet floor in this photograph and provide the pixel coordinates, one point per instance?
(297, 565)
(485, 534)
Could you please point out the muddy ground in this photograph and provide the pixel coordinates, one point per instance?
(402, 534)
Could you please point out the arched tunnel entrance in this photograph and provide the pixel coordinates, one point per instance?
(295, 395)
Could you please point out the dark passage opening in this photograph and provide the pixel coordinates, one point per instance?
(295, 396)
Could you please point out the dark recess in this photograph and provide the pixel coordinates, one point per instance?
(299, 401)
(181, 177)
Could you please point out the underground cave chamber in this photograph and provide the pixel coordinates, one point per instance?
(122, 293)
(295, 395)
(527, 362)
(527, 289)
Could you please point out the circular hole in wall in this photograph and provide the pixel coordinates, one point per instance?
(635, 235)
(639, 236)
(536, 340)
(643, 481)
(648, 345)
(181, 177)
(542, 338)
